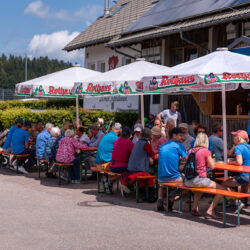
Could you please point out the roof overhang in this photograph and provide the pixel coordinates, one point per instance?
(86, 44)
(186, 25)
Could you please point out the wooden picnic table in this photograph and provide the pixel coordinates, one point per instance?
(232, 168)
(89, 149)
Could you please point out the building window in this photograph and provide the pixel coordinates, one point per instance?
(188, 53)
(103, 67)
(91, 66)
(156, 99)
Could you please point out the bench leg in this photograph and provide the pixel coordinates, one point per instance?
(238, 208)
(137, 191)
(189, 201)
(39, 168)
(147, 191)
(59, 176)
(17, 167)
(1, 160)
(166, 199)
(68, 174)
(180, 202)
(98, 182)
(224, 212)
(117, 185)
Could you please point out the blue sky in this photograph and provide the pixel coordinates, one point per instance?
(43, 27)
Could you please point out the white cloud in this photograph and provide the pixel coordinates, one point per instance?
(86, 13)
(37, 8)
(51, 45)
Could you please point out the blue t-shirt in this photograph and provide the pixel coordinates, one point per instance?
(105, 148)
(7, 143)
(244, 150)
(218, 147)
(210, 145)
(168, 162)
(20, 136)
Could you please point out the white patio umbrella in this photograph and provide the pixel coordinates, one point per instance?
(124, 80)
(57, 85)
(218, 71)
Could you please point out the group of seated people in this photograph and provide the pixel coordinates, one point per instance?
(162, 150)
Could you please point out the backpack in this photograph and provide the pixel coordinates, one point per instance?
(190, 168)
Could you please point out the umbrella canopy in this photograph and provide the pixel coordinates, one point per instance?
(219, 71)
(58, 84)
(206, 73)
(123, 80)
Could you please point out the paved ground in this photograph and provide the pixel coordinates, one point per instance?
(40, 215)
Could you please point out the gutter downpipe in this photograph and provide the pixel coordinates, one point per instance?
(191, 42)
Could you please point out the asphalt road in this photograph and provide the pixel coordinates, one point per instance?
(40, 215)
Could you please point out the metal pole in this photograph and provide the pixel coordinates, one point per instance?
(142, 110)
(77, 109)
(224, 121)
(25, 67)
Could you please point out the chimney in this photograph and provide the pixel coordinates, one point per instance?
(106, 8)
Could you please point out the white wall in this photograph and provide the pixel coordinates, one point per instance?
(97, 55)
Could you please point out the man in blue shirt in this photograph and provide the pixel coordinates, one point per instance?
(105, 149)
(218, 145)
(41, 140)
(20, 145)
(7, 143)
(168, 162)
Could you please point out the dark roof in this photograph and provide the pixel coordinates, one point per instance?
(107, 27)
(185, 25)
(169, 11)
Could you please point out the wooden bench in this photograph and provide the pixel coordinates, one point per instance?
(62, 166)
(224, 193)
(138, 180)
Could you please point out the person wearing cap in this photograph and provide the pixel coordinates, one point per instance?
(218, 145)
(105, 149)
(169, 161)
(7, 143)
(242, 157)
(137, 131)
(187, 138)
(157, 138)
(171, 113)
(20, 145)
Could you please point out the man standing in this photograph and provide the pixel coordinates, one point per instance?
(171, 113)
(41, 140)
(169, 160)
(218, 145)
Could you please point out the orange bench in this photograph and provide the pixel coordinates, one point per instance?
(138, 180)
(224, 193)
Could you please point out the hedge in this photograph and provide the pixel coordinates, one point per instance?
(39, 104)
(58, 117)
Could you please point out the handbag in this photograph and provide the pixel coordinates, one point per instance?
(103, 166)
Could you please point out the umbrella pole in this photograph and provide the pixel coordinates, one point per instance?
(77, 110)
(224, 121)
(142, 110)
